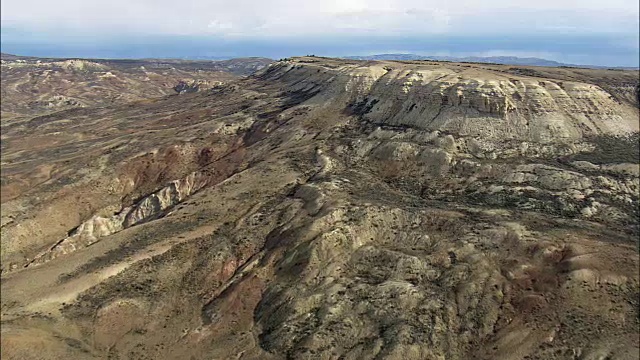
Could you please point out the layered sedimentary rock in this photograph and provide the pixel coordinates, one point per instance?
(150, 207)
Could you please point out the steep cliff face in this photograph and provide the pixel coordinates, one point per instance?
(467, 100)
(323, 208)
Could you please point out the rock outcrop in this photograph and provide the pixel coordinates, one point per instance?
(97, 227)
(468, 101)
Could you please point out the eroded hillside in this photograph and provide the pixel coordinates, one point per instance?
(36, 86)
(331, 209)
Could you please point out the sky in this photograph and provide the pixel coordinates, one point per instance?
(594, 32)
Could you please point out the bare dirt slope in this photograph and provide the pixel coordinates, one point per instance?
(330, 209)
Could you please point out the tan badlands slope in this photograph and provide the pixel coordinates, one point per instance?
(33, 86)
(330, 209)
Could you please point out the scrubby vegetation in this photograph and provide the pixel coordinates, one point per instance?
(613, 149)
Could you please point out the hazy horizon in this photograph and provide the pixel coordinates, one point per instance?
(576, 32)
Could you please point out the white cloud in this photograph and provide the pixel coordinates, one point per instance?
(258, 18)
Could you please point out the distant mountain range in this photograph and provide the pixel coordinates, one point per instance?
(503, 60)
